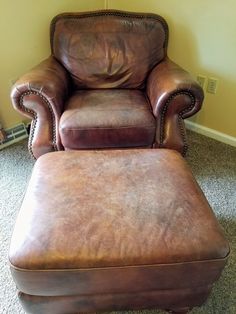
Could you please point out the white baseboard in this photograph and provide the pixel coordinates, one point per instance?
(216, 135)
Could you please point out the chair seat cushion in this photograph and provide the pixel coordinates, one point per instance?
(107, 119)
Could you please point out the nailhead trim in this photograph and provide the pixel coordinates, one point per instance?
(180, 117)
(110, 13)
(35, 119)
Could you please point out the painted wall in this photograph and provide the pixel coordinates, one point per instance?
(202, 40)
(24, 34)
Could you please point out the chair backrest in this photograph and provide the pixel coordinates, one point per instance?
(109, 49)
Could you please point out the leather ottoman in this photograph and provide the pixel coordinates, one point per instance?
(115, 230)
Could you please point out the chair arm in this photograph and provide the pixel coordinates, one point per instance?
(174, 96)
(40, 95)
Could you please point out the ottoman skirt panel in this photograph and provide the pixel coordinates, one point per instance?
(163, 299)
(115, 230)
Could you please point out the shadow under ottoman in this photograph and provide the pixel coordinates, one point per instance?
(115, 230)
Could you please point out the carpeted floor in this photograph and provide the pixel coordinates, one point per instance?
(214, 165)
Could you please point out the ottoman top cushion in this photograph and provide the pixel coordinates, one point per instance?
(114, 208)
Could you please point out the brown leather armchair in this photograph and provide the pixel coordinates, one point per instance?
(107, 84)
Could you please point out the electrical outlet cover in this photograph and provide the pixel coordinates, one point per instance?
(212, 85)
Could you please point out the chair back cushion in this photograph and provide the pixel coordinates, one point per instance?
(109, 49)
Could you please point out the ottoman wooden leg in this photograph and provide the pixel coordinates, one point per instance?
(180, 311)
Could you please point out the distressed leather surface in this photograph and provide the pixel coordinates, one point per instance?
(174, 95)
(108, 119)
(113, 280)
(136, 218)
(174, 299)
(111, 49)
(107, 50)
(40, 95)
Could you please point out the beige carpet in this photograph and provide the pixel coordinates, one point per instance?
(214, 165)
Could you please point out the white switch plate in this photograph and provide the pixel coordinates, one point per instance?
(201, 80)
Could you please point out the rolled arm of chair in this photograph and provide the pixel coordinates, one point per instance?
(40, 95)
(174, 95)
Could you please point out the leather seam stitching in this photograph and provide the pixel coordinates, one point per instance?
(203, 261)
(108, 128)
(111, 110)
